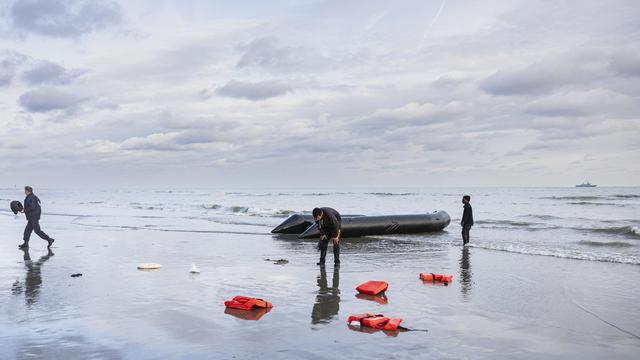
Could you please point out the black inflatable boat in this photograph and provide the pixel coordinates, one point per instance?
(359, 225)
(387, 225)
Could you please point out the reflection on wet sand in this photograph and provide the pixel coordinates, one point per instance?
(380, 298)
(327, 302)
(368, 330)
(254, 314)
(465, 274)
(33, 279)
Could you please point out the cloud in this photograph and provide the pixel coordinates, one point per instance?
(409, 115)
(64, 18)
(267, 53)
(592, 103)
(9, 62)
(46, 72)
(48, 99)
(626, 62)
(254, 90)
(167, 141)
(534, 79)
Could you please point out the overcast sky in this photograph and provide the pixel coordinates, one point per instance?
(319, 93)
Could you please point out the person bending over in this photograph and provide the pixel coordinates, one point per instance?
(467, 219)
(329, 223)
(33, 211)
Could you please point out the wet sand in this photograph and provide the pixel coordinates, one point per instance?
(500, 305)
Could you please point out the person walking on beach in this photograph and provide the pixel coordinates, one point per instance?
(467, 219)
(33, 211)
(329, 223)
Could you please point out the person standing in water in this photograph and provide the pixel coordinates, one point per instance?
(33, 211)
(329, 223)
(467, 219)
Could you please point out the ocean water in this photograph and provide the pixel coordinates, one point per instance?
(591, 224)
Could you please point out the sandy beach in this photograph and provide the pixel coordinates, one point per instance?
(500, 305)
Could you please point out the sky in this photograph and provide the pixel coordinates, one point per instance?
(317, 93)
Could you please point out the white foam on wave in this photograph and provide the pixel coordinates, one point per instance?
(248, 211)
(561, 253)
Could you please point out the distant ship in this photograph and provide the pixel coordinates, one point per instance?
(587, 184)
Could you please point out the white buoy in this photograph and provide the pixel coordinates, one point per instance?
(194, 269)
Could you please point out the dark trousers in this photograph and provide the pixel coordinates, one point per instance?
(34, 225)
(465, 234)
(324, 246)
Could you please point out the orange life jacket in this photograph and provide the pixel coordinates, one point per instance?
(247, 303)
(380, 322)
(436, 277)
(373, 287)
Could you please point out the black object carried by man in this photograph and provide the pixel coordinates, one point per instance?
(16, 207)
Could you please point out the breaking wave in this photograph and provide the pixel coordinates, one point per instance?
(614, 244)
(514, 224)
(249, 211)
(633, 231)
(565, 254)
(591, 203)
(391, 194)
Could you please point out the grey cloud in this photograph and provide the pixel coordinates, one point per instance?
(64, 18)
(48, 99)
(171, 141)
(254, 90)
(592, 103)
(46, 72)
(409, 115)
(269, 54)
(534, 79)
(626, 62)
(9, 62)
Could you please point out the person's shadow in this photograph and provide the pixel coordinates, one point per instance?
(327, 302)
(465, 273)
(33, 279)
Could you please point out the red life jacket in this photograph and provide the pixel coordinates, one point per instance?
(373, 287)
(436, 277)
(247, 303)
(380, 322)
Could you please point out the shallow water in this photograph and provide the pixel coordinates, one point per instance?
(502, 304)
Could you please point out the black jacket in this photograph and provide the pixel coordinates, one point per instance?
(330, 223)
(32, 207)
(467, 215)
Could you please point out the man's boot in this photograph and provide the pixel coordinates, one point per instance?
(24, 245)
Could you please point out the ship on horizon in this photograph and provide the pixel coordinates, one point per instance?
(587, 184)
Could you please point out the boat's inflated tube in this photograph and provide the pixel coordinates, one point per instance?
(247, 303)
(16, 207)
(297, 224)
(387, 225)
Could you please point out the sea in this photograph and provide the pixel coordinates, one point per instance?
(589, 224)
